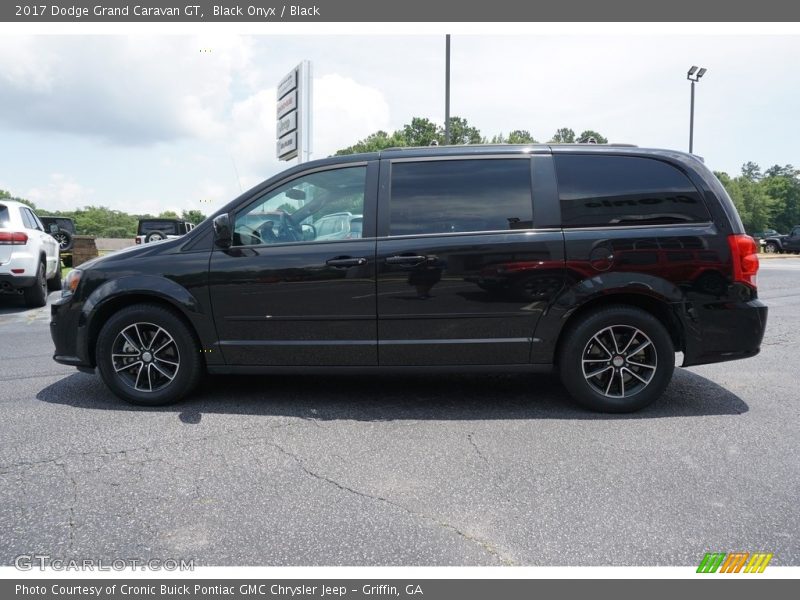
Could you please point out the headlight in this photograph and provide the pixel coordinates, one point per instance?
(71, 282)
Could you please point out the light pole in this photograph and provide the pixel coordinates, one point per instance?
(447, 90)
(694, 76)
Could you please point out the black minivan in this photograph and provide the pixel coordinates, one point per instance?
(600, 261)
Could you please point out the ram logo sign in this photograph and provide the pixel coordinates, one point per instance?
(734, 562)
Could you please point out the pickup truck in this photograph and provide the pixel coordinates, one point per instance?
(779, 244)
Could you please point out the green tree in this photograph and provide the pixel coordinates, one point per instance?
(751, 171)
(521, 136)
(461, 132)
(193, 216)
(374, 142)
(420, 132)
(782, 186)
(750, 198)
(564, 135)
(591, 133)
(168, 214)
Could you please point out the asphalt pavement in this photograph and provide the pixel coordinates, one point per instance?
(403, 470)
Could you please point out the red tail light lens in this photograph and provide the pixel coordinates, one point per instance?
(13, 238)
(744, 252)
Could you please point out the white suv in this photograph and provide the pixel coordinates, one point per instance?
(29, 257)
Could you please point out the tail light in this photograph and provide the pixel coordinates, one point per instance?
(13, 238)
(744, 253)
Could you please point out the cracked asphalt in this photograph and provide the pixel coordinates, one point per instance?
(417, 470)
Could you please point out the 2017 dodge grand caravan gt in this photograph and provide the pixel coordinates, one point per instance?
(600, 261)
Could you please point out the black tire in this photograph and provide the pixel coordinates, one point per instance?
(596, 376)
(54, 284)
(155, 236)
(65, 241)
(771, 248)
(129, 383)
(36, 295)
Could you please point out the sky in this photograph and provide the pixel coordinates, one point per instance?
(147, 123)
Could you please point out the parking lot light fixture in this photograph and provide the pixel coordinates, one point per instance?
(694, 74)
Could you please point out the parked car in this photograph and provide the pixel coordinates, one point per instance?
(760, 235)
(63, 229)
(29, 255)
(156, 230)
(778, 244)
(339, 226)
(617, 258)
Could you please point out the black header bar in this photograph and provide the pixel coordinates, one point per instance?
(328, 11)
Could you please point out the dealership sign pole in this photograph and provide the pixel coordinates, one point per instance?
(293, 131)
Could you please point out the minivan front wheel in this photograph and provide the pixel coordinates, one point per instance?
(617, 359)
(147, 355)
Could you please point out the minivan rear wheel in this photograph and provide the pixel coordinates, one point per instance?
(617, 359)
(147, 355)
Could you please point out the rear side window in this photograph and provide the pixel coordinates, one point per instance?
(166, 227)
(5, 218)
(29, 220)
(451, 196)
(598, 191)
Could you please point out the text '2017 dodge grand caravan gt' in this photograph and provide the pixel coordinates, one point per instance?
(603, 261)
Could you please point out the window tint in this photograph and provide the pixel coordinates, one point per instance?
(313, 207)
(460, 195)
(167, 227)
(28, 219)
(36, 220)
(625, 190)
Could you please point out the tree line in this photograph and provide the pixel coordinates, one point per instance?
(423, 132)
(101, 221)
(765, 200)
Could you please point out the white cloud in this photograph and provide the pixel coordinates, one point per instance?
(133, 90)
(346, 111)
(62, 192)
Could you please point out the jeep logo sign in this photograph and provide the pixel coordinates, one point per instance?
(286, 124)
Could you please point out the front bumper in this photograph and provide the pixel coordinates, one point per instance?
(69, 332)
(723, 331)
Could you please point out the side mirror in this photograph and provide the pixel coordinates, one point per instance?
(309, 232)
(222, 230)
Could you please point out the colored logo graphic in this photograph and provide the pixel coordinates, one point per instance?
(734, 562)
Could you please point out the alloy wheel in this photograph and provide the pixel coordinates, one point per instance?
(619, 361)
(145, 357)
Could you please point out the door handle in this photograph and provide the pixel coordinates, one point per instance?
(343, 262)
(405, 260)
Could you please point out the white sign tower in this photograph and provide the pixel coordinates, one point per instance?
(293, 131)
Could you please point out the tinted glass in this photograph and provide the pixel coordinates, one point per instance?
(27, 218)
(5, 218)
(167, 227)
(625, 190)
(312, 208)
(460, 195)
